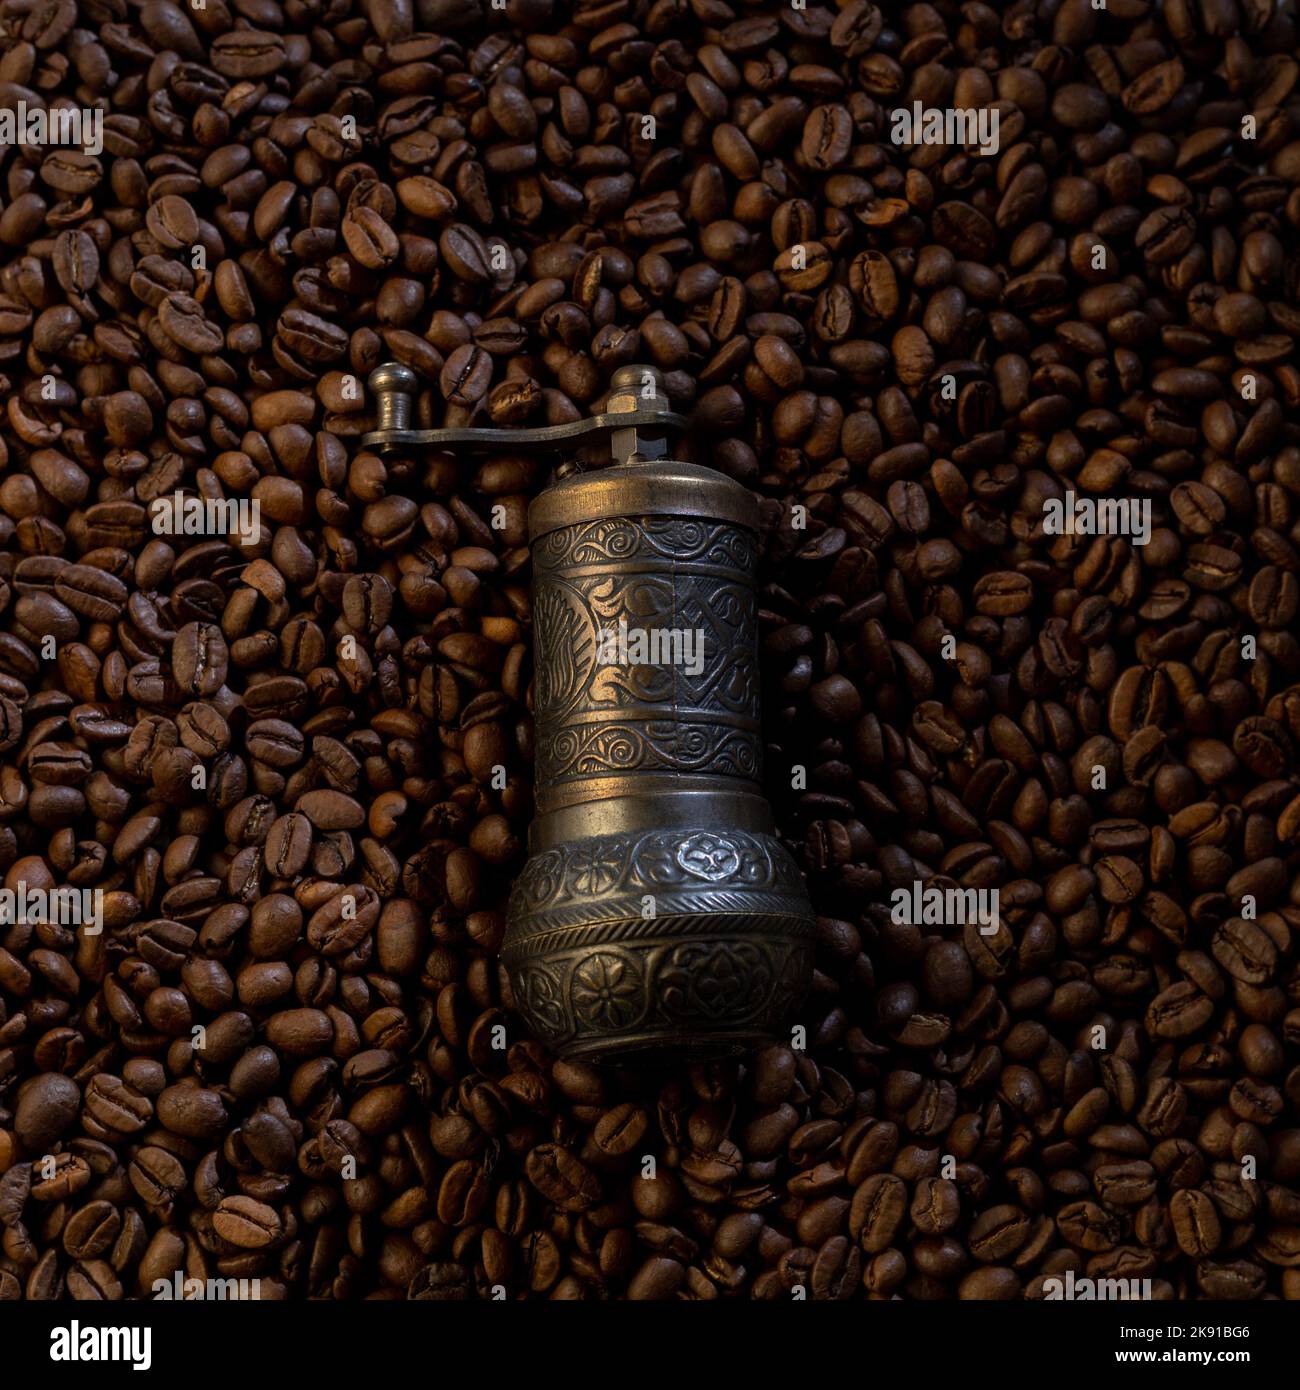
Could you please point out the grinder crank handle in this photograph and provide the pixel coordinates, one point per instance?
(637, 420)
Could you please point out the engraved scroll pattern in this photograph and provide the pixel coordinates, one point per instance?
(676, 538)
(571, 611)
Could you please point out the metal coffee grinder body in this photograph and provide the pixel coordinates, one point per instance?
(657, 913)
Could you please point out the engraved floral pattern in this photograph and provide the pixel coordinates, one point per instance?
(563, 622)
(546, 873)
(607, 990)
(714, 983)
(653, 861)
(716, 980)
(725, 983)
(596, 866)
(708, 856)
(539, 995)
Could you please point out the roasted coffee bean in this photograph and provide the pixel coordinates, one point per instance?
(246, 1223)
(199, 658)
(1021, 426)
(369, 238)
(47, 1105)
(561, 1178)
(1195, 1222)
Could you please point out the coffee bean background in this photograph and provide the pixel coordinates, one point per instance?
(919, 346)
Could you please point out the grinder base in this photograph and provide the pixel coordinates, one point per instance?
(681, 941)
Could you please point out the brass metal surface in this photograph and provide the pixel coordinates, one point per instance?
(641, 490)
(657, 912)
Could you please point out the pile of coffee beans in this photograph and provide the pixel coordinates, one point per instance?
(292, 761)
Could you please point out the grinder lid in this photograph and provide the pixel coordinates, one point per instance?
(662, 487)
